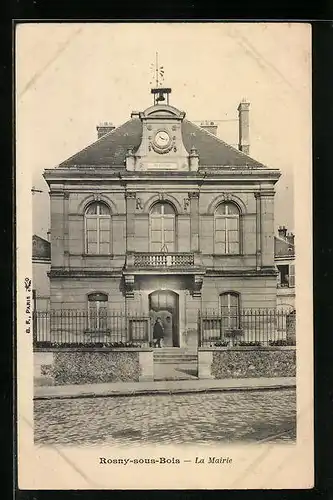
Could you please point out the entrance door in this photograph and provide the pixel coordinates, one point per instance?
(164, 304)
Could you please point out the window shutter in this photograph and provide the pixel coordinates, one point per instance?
(291, 275)
(278, 277)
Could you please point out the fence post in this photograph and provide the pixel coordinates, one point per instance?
(34, 328)
(150, 340)
(199, 329)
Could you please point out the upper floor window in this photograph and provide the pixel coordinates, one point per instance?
(162, 228)
(226, 229)
(97, 228)
(230, 310)
(286, 276)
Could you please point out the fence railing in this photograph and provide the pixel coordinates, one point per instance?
(82, 328)
(250, 327)
(85, 328)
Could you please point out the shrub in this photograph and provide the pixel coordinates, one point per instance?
(249, 343)
(113, 345)
(233, 332)
(281, 342)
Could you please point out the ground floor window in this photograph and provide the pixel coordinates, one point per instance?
(97, 311)
(229, 306)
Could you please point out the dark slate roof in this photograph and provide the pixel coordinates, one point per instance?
(212, 150)
(283, 248)
(110, 150)
(41, 248)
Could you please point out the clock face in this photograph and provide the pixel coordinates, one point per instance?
(162, 139)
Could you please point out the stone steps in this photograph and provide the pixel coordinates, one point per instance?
(175, 356)
(169, 371)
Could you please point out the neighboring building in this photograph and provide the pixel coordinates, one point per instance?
(161, 217)
(285, 264)
(41, 265)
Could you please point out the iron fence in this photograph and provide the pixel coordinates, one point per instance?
(249, 327)
(83, 328)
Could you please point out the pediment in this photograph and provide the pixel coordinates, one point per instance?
(162, 111)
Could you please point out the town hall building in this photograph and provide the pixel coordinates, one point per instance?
(162, 218)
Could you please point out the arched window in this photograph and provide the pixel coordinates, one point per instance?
(229, 304)
(226, 229)
(162, 228)
(97, 310)
(97, 228)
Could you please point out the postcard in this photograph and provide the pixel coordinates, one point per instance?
(164, 255)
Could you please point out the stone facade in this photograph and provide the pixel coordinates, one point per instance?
(158, 158)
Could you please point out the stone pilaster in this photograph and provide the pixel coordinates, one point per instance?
(66, 230)
(205, 361)
(146, 361)
(258, 230)
(267, 227)
(194, 207)
(130, 220)
(129, 286)
(57, 227)
(197, 285)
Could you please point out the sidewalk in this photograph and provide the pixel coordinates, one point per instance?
(161, 387)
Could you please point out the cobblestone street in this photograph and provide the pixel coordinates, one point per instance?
(242, 416)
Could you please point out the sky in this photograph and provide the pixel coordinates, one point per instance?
(72, 76)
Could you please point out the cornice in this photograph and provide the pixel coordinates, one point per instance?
(244, 273)
(84, 273)
(100, 176)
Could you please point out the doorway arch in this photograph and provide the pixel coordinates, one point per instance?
(165, 305)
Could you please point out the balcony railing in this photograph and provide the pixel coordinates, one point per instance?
(173, 260)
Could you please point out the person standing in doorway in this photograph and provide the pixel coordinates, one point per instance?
(158, 333)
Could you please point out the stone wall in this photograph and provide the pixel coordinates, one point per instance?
(255, 292)
(247, 362)
(72, 293)
(92, 366)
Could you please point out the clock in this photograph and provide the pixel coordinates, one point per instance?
(162, 141)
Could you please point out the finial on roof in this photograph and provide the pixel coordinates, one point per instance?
(158, 75)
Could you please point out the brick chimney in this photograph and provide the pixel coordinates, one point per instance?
(209, 126)
(291, 238)
(244, 126)
(282, 231)
(104, 128)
